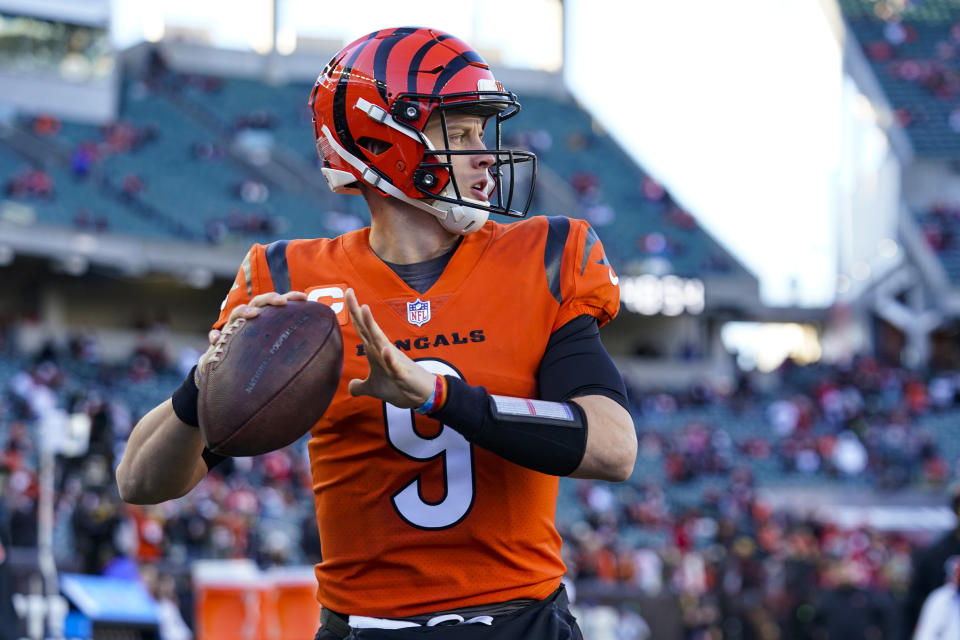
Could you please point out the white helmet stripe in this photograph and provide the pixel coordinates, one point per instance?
(380, 115)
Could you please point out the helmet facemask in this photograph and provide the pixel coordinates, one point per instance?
(510, 179)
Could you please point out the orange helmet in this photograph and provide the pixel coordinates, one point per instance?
(372, 102)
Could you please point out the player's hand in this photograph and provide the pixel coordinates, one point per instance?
(393, 377)
(248, 311)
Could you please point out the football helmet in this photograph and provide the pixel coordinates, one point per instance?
(370, 106)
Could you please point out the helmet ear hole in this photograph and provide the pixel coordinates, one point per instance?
(405, 110)
(374, 145)
(425, 179)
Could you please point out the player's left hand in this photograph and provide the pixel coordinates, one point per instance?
(393, 377)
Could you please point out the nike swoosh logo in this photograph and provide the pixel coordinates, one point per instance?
(614, 280)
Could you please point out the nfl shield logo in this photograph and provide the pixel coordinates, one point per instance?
(418, 312)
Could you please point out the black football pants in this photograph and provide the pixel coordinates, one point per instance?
(548, 619)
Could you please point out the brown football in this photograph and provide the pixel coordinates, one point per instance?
(270, 378)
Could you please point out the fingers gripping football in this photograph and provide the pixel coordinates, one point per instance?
(247, 311)
(393, 377)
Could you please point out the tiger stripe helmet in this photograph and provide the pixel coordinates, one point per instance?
(372, 102)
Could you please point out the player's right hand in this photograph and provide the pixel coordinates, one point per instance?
(393, 377)
(248, 311)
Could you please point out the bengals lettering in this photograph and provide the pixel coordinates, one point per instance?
(439, 340)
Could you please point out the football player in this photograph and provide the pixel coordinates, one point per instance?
(473, 372)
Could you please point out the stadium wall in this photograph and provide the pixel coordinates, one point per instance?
(119, 313)
(930, 181)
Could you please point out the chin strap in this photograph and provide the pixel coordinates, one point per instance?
(460, 219)
(455, 218)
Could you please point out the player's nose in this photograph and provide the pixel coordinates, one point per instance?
(482, 160)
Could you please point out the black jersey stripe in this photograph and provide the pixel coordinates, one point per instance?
(557, 232)
(383, 55)
(591, 239)
(277, 263)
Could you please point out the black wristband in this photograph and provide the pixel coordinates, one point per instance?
(549, 444)
(185, 400)
(465, 408)
(211, 459)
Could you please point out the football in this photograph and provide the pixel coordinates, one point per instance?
(270, 378)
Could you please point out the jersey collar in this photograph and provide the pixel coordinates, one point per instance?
(386, 284)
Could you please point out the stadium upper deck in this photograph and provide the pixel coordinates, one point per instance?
(229, 161)
(915, 55)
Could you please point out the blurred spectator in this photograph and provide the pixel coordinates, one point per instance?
(132, 186)
(940, 615)
(46, 125)
(82, 160)
(849, 455)
(652, 190)
(585, 184)
(125, 137)
(31, 183)
(206, 151)
(257, 119)
(9, 622)
(156, 65)
(577, 141)
(850, 610)
(928, 567)
(94, 523)
(252, 191)
(631, 625)
(240, 224)
(163, 590)
(85, 220)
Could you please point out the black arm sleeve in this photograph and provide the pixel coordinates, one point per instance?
(575, 363)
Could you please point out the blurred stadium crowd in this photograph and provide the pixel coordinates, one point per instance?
(690, 532)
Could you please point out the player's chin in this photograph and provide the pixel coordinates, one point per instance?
(477, 199)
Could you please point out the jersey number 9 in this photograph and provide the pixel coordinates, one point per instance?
(458, 490)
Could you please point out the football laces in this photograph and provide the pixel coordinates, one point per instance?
(221, 344)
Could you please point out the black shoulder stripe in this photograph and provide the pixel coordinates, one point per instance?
(277, 263)
(591, 239)
(557, 232)
(383, 55)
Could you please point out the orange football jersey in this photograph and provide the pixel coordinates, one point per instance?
(412, 517)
